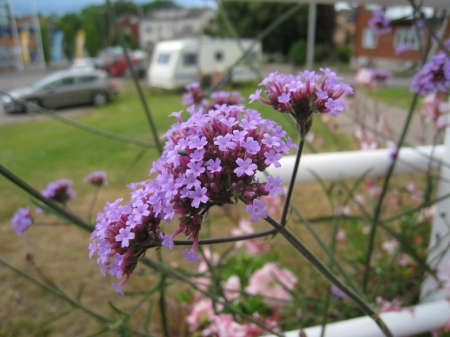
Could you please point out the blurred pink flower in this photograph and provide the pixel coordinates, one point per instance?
(373, 189)
(438, 332)
(403, 259)
(341, 236)
(427, 213)
(223, 325)
(97, 178)
(416, 193)
(213, 259)
(434, 109)
(253, 246)
(390, 246)
(201, 313)
(384, 305)
(232, 288)
(271, 282)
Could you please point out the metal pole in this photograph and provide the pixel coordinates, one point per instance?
(312, 17)
(17, 48)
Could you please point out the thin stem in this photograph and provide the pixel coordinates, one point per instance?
(294, 174)
(162, 299)
(75, 219)
(94, 200)
(133, 73)
(377, 211)
(325, 271)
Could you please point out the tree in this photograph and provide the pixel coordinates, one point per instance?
(249, 19)
(45, 38)
(70, 24)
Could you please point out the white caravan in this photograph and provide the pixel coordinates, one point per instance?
(176, 63)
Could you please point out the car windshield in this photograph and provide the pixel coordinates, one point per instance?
(46, 80)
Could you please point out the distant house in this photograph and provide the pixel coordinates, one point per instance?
(375, 51)
(173, 23)
(344, 27)
(128, 24)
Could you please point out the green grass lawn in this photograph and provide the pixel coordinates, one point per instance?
(399, 97)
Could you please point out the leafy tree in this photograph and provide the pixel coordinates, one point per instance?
(69, 24)
(45, 38)
(130, 41)
(251, 18)
(157, 4)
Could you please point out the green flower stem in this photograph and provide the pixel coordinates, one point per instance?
(135, 79)
(64, 297)
(323, 269)
(162, 299)
(377, 211)
(287, 201)
(69, 216)
(94, 200)
(177, 275)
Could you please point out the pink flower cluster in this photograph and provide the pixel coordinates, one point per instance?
(435, 109)
(59, 191)
(304, 94)
(97, 178)
(210, 159)
(195, 96)
(373, 77)
(21, 220)
(379, 23)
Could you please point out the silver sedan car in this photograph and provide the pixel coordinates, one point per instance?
(64, 88)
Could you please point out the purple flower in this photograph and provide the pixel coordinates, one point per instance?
(190, 255)
(97, 178)
(334, 107)
(379, 23)
(125, 235)
(338, 292)
(245, 166)
(21, 220)
(195, 168)
(166, 240)
(272, 157)
(198, 196)
(304, 94)
(59, 191)
(214, 166)
(434, 76)
(273, 186)
(257, 210)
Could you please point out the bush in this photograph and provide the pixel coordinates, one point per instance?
(297, 53)
(343, 53)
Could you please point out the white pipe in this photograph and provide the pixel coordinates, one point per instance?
(410, 321)
(335, 166)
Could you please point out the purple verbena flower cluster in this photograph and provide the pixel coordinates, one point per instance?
(21, 220)
(208, 160)
(304, 94)
(434, 75)
(59, 191)
(379, 23)
(97, 178)
(195, 96)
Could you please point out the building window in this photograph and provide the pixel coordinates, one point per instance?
(218, 56)
(369, 39)
(190, 59)
(407, 35)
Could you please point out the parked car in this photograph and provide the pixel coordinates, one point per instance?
(64, 88)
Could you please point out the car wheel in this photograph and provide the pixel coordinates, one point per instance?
(32, 106)
(99, 98)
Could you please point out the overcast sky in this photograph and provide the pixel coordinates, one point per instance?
(60, 7)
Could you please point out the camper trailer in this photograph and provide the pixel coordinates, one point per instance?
(176, 63)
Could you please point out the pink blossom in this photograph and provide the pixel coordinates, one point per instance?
(253, 246)
(223, 325)
(97, 178)
(390, 246)
(212, 257)
(384, 305)
(404, 259)
(271, 282)
(201, 313)
(341, 236)
(232, 288)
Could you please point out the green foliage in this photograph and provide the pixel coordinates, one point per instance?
(297, 53)
(130, 41)
(251, 18)
(343, 53)
(69, 24)
(46, 43)
(322, 52)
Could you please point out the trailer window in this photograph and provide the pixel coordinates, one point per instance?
(219, 56)
(163, 58)
(190, 59)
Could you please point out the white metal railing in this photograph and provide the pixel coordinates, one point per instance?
(434, 311)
